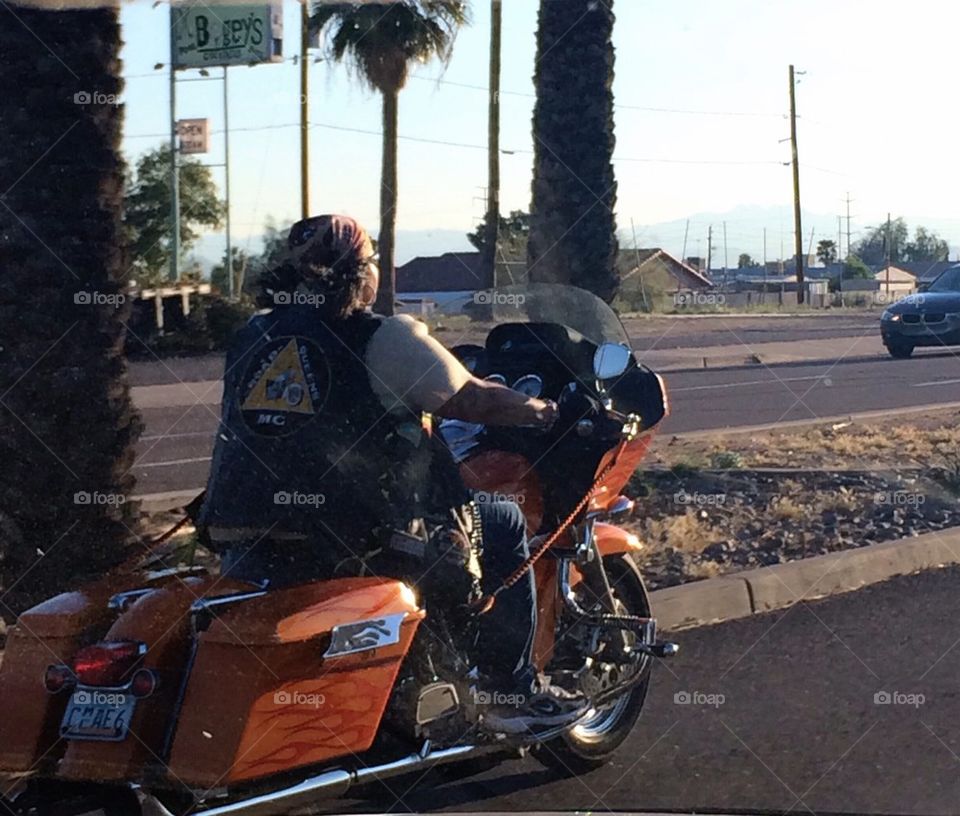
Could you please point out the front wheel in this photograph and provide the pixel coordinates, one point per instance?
(588, 745)
(900, 350)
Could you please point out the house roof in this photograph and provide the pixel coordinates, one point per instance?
(460, 271)
(450, 272)
(630, 261)
(924, 271)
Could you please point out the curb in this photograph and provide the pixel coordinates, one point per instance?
(160, 502)
(753, 592)
(725, 364)
(791, 362)
(861, 416)
(835, 313)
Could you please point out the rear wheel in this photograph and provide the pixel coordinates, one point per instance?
(900, 350)
(591, 743)
(48, 798)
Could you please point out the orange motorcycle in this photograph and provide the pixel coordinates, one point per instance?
(180, 691)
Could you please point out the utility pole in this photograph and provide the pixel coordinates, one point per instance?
(797, 226)
(725, 260)
(492, 226)
(304, 110)
(888, 253)
(839, 245)
(764, 297)
(636, 252)
(848, 225)
(174, 169)
(231, 286)
(709, 248)
(686, 231)
(839, 235)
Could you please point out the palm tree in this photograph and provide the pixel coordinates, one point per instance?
(67, 425)
(380, 41)
(573, 229)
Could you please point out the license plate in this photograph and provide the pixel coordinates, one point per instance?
(98, 714)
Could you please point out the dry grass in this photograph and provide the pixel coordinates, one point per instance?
(689, 531)
(927, 440)
(783, 508)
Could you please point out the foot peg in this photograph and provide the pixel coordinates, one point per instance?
(660, 649)
(664, 648)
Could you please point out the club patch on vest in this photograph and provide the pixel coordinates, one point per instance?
(285, 386)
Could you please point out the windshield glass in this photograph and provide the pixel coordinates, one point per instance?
(949, 281)
(569, 306)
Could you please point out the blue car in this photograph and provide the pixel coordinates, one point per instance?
(929, 318)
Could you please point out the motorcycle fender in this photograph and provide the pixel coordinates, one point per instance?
(611, 540)
(161, 620)
(49, 632)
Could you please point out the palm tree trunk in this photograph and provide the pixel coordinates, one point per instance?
(67, 424)
(386, 296)
(572, 225)
(492, 225)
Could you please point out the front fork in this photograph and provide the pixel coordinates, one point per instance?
(589, 562)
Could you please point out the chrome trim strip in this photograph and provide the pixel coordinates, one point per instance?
(122, 600)
(335, 783)
(364, 635)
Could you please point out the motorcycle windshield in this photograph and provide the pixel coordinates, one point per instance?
(569, 306)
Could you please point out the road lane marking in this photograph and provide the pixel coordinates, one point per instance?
(175, 462)
(772, 381)
(184, 435)
(935, 382)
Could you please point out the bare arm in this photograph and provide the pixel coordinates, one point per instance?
(490, 403)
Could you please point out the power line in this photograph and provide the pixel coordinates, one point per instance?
(467, 145)
(648, 109)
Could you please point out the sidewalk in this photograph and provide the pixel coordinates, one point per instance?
(827, 349)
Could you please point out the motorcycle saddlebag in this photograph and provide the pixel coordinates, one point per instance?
(49, 633)
(292, 678)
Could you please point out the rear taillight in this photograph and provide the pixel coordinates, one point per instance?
(59, 678)
(111, 663)
(144, 682)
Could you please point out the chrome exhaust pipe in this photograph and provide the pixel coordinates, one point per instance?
(335, 783)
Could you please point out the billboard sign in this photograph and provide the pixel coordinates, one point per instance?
(194, 135)
(215, 34)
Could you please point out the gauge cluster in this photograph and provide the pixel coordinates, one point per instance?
(530, 385)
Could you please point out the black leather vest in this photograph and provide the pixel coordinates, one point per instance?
(305, 445)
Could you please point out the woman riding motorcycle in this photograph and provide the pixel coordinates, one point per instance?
(323, 463)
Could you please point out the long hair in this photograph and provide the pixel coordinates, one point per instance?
(328, 261)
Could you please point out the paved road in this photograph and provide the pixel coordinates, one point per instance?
(174, 454)
(793, 725)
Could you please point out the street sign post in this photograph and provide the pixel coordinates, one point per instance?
(215, 34)
(194, 135)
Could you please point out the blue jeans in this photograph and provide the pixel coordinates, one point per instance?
(507, 631)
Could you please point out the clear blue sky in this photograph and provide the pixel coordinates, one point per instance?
(876, 101)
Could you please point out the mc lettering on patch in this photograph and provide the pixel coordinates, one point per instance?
(284, 387)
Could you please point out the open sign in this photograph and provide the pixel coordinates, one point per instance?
(194, 135)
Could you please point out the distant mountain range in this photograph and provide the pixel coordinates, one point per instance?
(745, 225)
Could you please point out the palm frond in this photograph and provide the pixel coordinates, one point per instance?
(378, 41)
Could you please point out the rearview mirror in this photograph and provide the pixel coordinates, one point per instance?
(611, 360)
